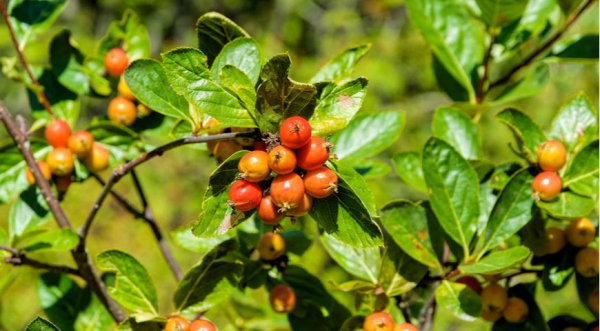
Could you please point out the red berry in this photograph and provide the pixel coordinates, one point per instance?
(57, 133)
(287, 191)
(80, 143)
(471, 282)
(378, 322)
(254, 166)
(244, 195)
(122, 111)
(282, 160)
(62, 183)
(97, 159)
(177, 324)
(115, 62)
(320, 183)
(294, 132)
(551, 155)
(546, 186)
(259, 146)
(283, 299)
(268, 212)
(202, 325)
(44, 168)
(60, 161)
(314, 154)
(303, 207)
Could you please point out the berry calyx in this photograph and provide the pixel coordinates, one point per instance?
(551, 155)
(471, 282)
(593, 301)
(124, 90)
(378, 322)
(271, 246)
(268, 212)
(177, 324)
(60, 161)
(555, 240)
(224, 149)
(44, 168)
(294, 132)
(62, 183)
(254, 166)
(282, 299)
(314, 154)
(244, 195)
(80, 143)
(320, 183)
(586, 262)
(115, 62)
(97, 159)
(494, 298)
(516, 310)
(546, 186)
(122, 111)
(287, 191)
(57, 133)
(282, 160)
(303, 207)
(580, 232)
(405, 327)
(202, 325)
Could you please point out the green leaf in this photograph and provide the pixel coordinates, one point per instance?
(279, 97)
(61, 298)
(569, 6)
(407, 225)
(453, 191)
(527, 133)
(12, 167)
(581, 48)
(296, 242)
(533, 234)
(535, 320)
(234, 81)
(368, 168)
(214, 32)
(184, 65)
(242, 53)
(533, 22)
(368, 135)
(341, 66)
(40, 324)
(527, 86)
(67, 63)
(499, 13)
(122, 143)
(458, 46)
(96, 315)
(497, 261)
(457, 129)
(360, 262)
(128, 34)
(459, 300)
(448, 83)
(576, 123)
(210, 282)
(582, 176)
(512, 210)
(409, 169)
(399, 272)
(63, 102)
(335, 110)
(51, 241)
(568, 206)
(134, 288)
(184, 238)
(148, 81)
(355, 286)
(31, 17)
(558, 269)
(27, 214)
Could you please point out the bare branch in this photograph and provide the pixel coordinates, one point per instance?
(22, 260)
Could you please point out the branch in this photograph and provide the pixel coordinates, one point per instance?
(544, 47)
(486, 69)
(20, 259)
(40, 91)
(426, 314)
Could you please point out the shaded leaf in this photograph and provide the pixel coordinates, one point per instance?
(558, 268)
(342, 65)
(581, 48)
(67, 63)
(399, 272)
(527, 133)
(457, 129)
(582, 176)
(296, 242)
(61, 298)
(63, 102)
(31, 17)
(527, 86)
(214, 32)
(459, 300)
(27, 214)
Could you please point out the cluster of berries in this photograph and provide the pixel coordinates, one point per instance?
(271, 246)
(300, 175)
(59, 161)
(551, 156)
(122, 109)
(380, 321)
(178, 323)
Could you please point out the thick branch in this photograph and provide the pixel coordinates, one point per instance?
(20, 260)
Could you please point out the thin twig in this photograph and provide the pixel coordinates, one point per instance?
(9, 249)
(22, 260)
(486, 69)
(426, 314)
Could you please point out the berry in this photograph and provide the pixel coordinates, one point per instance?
(177, 324)
(593, 301)
(202, 325)
(243, 140)
(586, 262)
(491, 316)
(254, 166)
(492, 278)
(143, 110)
(62, 183)
(122, 111)
(60, 161)
(580, 232)
(115, 62)
(210, 126)
(44, 168)
(244, 195)
(57, 133)
(259, 146)
(80, 143)
(224, 149)
(97, 159)
(516, 310)
(124, 90)
(282, 160)
(268, 212)
(405, 327)
(378, 322)
(494, 298)
(303, 207)
(551, 155)
(320, 183)
(546, 186)
(283, 299)
(287, 191)
(314, 154)
(294, 132)
(471, 282)
(555, 240)
(271, 246)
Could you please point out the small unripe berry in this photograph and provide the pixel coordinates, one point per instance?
(551, 155)
(271, 246)
(177, 324)
(244, 195)
(546, 186)
(282, 299)
(586, 262)
(593, 301)
(60, 161)
(122, 111)
(494, 298)
(115, 62)
(124, 90)
(57, 133)
(243, 141)
(294, 132)
(555, 240)
(405, 327)
(580, 232)
(287, 191)
(491, 316)
(143, 110)
(268, 212)
(44, 168)
(471, 282)
(97, 159)
(313, 155)
(224, 149)
(282, 160)
(516, 310)
(254, 166)
(303, 207)
(320, 183)
(202, 325)
(378, 322)
(80, 143)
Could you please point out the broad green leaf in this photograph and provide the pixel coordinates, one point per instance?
(134, 288)
(512, 210)
(369, 168)
(409, 169)
(497, 261)
(67, 63)
(12, 167)
(453, 35)
(459, 300)
(457, 129)
(40, 324)
(576, 123)
(499, 13)
(360, 262)
(296, 242)
(338, 107)
(527, 133)
(582, 48)
(184, 65)
(535, 320)
(399, 273)
(128, 34)
(63, 102)
(51, 241)
(61, 298)
(184, 238)
(453, 191)
(341, 66)
(407, 225)
(94, 317)
(448, 83)
(568, 206)
(214, 32)
(242, 53)
(582, 176)
(558, 269)
(356, 286)
(31, 17)
(148, 81)
(527, 86)
(278, 97)
(368, 135)
(27, 214)
(236, 82)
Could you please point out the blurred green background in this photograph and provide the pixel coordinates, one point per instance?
(401, 79)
